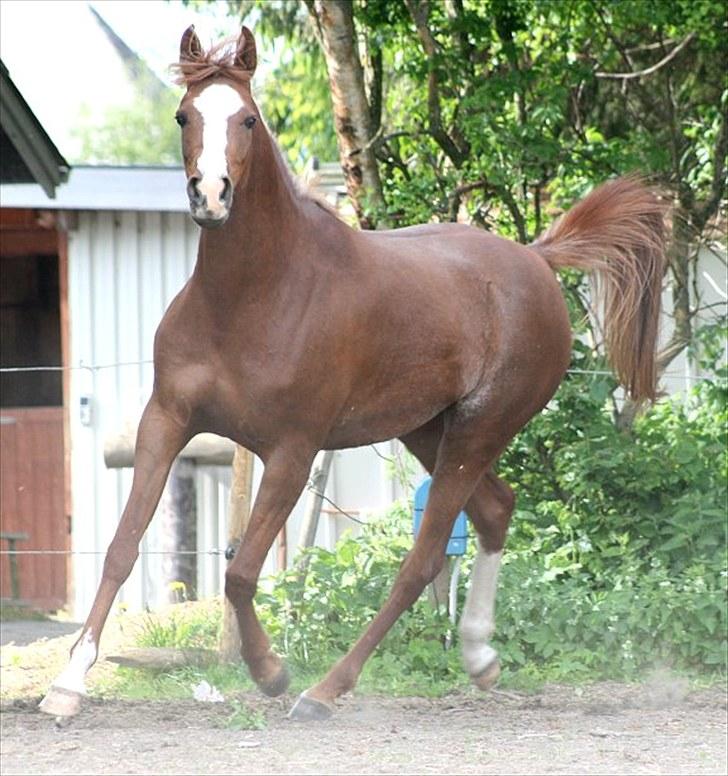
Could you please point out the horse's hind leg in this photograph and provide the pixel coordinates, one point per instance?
(463, 454)
(159, 440)
(489, 508)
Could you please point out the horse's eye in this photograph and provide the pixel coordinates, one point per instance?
(180, 118)
(250, 121)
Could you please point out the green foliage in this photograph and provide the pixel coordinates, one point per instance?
(657, 492)
(143, 132)
(243, 717)
(296, 104)
(188, 629)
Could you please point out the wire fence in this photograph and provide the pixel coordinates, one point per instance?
(114, 365)
(226, 551)
(217, 551)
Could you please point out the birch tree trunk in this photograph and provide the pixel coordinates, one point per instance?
(334, 23)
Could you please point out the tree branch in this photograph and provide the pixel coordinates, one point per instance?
(516, 214)
(654, 68)
(419, 11)
(375, 89)
(718, 182)
(455, 198)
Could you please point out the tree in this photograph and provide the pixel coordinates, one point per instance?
(503, 112)
(353, 119)
(143, 132)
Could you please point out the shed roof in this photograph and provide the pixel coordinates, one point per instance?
(160, 189)
(107, 188)
(28, 154)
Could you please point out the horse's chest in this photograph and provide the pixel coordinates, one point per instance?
(251, 398)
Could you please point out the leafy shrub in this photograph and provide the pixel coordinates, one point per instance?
(615, 562)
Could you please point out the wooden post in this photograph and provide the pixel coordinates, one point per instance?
(241, 490)
(438, 590)
(319, 478)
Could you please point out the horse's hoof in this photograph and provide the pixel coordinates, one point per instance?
(487, 678)
(278, 685)
(307, 709)
(60, 702)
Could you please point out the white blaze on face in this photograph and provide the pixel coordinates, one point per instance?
(216, 104)
(477, 622)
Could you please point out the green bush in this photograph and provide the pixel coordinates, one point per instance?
(615, 562)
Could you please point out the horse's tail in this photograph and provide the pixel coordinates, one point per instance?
(618, 230)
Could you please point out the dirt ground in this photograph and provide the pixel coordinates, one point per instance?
(661, 727)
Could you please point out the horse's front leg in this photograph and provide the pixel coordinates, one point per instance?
(286, 472)
(159, 440)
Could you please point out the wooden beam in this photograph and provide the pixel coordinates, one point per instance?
(241, 493)
(208, 449)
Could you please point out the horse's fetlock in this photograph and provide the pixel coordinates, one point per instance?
(476, 632)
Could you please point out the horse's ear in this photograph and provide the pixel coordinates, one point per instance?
(189, 47)
(246, 56)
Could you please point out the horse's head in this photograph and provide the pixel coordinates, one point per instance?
(218, 117)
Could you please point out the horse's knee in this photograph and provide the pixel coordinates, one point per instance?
(417, 573)
(120, 559)
(239, 587)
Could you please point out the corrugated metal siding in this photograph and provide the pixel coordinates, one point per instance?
(124, 270)
(709, 293)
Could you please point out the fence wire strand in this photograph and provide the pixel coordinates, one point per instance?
(97, 367)
(217, 550)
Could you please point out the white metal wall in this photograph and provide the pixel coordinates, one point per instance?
(124, 269)
(709, 294)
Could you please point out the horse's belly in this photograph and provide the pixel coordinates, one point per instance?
(367, 430)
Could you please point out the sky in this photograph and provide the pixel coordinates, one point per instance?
(67, 71)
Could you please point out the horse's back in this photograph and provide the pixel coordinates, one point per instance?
(470, 264)
(493, 303)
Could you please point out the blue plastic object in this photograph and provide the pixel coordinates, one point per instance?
(459, 536)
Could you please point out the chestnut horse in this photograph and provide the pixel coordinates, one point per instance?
(442, 335)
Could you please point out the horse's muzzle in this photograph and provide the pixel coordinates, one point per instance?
(207, 214)
(206, 222)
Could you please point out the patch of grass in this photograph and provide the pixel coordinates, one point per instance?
(243, 717)
(191, 627)
(140, 684)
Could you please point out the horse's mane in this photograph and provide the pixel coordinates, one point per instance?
(216, 61)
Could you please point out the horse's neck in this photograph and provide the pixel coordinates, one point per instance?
(252, 249)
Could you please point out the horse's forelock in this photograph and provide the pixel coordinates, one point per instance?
(216, 61)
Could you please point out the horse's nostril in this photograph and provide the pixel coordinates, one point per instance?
(192, 191)
(227, 191)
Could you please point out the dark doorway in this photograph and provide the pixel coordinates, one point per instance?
(30, 327)
(34, 512)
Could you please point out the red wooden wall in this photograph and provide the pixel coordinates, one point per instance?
(32, 501)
